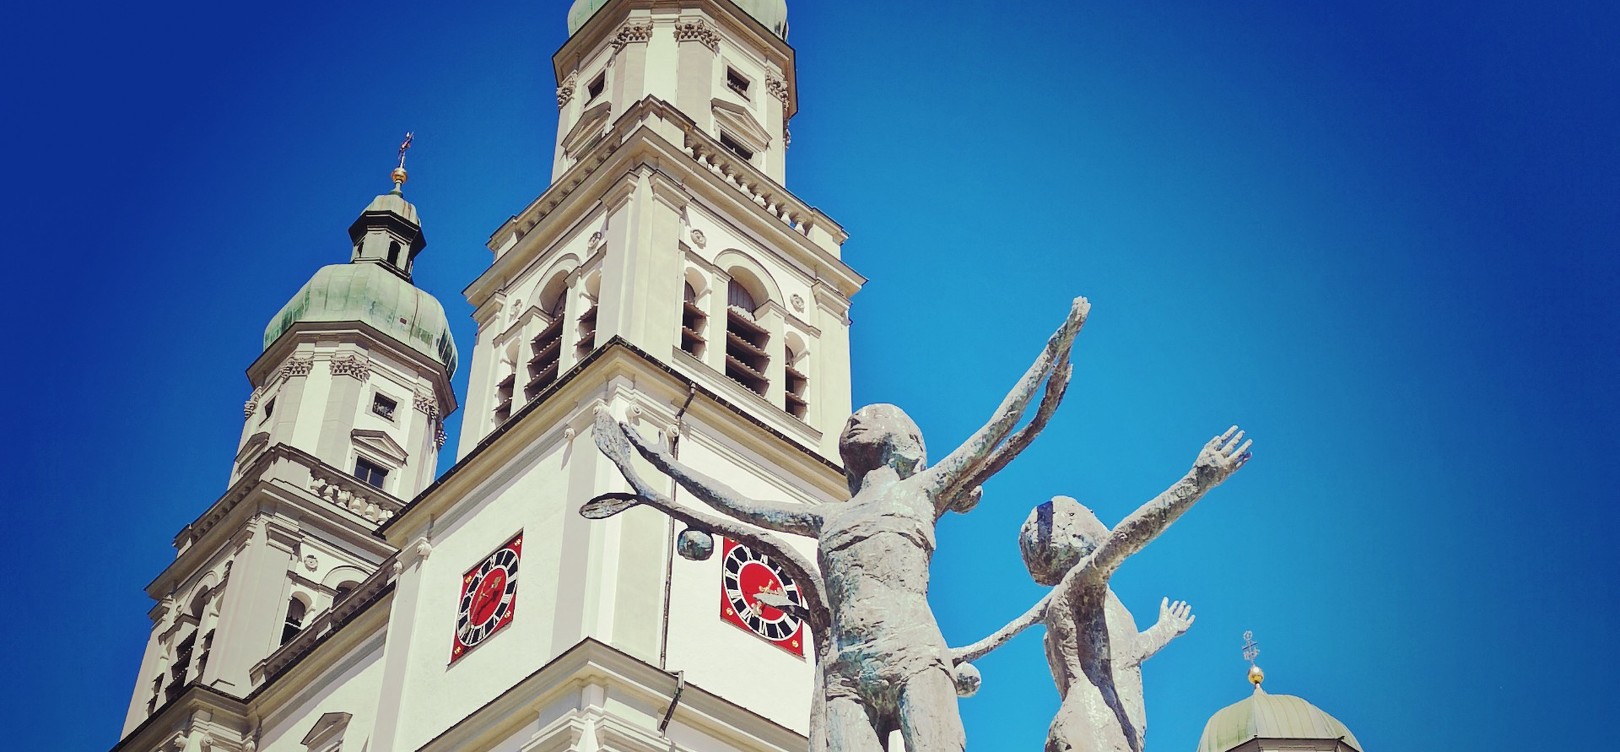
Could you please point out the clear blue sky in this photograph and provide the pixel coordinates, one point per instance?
(1381, 237)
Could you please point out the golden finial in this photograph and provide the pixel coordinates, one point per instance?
(399, 175)
(1251, 651)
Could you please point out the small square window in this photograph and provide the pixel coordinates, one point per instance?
(737, 82)
(370, 473)
(595, 87)
(736, 148)
(383, 406)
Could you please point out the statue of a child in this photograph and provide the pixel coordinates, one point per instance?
(1092, 645)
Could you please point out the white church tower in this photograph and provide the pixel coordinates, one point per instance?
(667, 276)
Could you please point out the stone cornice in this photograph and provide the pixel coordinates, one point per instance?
(227, 717)
(283, 354)
(273, 478)
(590, 662)
(786, 226)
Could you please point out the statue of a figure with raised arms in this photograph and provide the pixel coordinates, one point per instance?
(882, 661)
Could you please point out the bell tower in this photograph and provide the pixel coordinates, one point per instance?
(343, 424)
(341, 594)
(668, 276)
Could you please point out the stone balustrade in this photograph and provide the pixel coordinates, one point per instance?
(349, 493)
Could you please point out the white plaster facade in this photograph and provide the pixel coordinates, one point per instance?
(666, 201)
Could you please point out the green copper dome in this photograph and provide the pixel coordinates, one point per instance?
(1268, 716)
(771, 13)
(370, 293)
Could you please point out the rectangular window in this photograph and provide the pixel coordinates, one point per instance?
(595, 87)
(736, 82)
(370, 473)
(736, 148)
(270, 408)
(383, 406)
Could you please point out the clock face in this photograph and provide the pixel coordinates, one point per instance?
(488, 598)
(743, 575)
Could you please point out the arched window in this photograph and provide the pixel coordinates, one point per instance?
(739, 297)
(796, 383)
(693, 322)
(295, 620)
(746, 358)
(393, 253)
(342, 591)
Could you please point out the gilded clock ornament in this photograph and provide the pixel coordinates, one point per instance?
(744, 575)
(488, 598)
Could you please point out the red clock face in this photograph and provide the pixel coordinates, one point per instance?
(488, 598)
(743, 575)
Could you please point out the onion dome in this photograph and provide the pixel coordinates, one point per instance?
(1289, 721)
(375, 288)
(770, 13)
(371, 294)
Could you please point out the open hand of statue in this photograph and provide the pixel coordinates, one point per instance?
(1221, 457)
(1177, 617)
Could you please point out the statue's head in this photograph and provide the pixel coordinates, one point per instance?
(878, 435)
(1058, 535)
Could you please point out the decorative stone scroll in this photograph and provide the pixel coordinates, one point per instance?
(698, 30)
(357, 366)
(252, 404)
(426, 404)
(565, 92)
(297, 367)
(778, 88)
(631, 33)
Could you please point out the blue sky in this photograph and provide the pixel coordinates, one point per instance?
(1382, 238)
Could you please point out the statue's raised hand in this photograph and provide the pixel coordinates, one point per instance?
(1221, 457)
(1176, 617)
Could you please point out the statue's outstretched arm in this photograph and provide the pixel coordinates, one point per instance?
(796, 566)
(960, 496)
(614, 439)
(1035, 615)
(1221, 457)
(1174, 621)
(949, 476)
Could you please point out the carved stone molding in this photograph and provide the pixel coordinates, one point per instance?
(632, 33)
(439, 436)
(698, 30)
(297, 367)
(565, 92)
(699, 239)
(253, 403)
(778, 88)
(426, 404)
(357, 366)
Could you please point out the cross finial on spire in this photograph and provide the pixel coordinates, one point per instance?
(1251, 651)
(399, 172)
